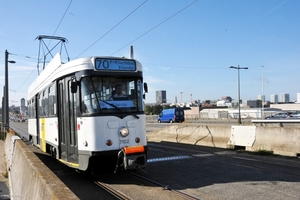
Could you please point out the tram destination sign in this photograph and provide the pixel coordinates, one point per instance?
(115, 64)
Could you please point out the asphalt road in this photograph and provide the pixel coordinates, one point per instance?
(213, 173)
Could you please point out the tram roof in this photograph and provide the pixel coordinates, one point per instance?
(56, 69)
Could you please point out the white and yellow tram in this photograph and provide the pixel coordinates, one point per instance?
(75, 116)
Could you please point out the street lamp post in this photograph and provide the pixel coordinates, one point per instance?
(238, 68)
(3, 111)
(6, 99)
(263, 96)
(181, 97)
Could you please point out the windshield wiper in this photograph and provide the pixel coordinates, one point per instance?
(116, 107)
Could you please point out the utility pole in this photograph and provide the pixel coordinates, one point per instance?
(263, 96)
(6, 100)
(6, 106)
(181, 97)
(239, 98)
(3, 111)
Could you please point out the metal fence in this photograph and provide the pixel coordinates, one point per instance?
(217, 116)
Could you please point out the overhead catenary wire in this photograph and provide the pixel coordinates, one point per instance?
(26, 56)
(62, 17)
(61, 20)
(112, 28)
(156, 26)
(25, 80)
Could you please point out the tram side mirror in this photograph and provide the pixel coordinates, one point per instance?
(145, 87)
(74, 87)
(146, 90)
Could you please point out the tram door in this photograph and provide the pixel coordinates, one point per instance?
(67, 121)
(37, 115)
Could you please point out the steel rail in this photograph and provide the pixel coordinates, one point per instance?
(112, 191)
(166, 187)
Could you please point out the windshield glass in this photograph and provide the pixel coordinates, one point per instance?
(110, 94)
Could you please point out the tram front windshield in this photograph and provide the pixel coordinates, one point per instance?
(111, 94)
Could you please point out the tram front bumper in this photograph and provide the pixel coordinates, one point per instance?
(133, 157)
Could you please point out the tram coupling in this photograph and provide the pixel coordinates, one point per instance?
(131, 158)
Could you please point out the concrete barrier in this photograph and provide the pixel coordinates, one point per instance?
(212, 136)
(29, 177)
(281, 140)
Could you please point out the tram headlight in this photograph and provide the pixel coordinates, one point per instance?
(124, 131)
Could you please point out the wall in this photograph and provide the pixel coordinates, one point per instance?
(29, 177)
(281, 140)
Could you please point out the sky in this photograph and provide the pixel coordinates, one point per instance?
(185, 46)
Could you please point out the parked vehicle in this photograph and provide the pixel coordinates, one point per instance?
(295, 115)
(171, 115)
(279, 115)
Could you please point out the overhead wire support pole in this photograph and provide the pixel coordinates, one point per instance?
(6, 99)
(3, 110)
(239, 98)
(6, 107)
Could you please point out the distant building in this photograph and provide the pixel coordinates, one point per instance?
(253, 103)
(223, 103)
(274, 98)
(261, 97)
(161, 97)
(298, 97)
(22, 107)
(227, 98)
(284, 98)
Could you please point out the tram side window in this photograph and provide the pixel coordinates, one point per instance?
(29, 109)
(86, 105)
(44, 107)
(45, 103)
(41, 113)
(140, 95)
(33, 108)
(52, 101)
(31, 105)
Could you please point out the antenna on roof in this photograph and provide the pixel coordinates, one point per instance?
(131, 52)
(47, 51)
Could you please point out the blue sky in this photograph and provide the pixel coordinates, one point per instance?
(184, 45)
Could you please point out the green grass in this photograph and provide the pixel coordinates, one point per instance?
(263, 152)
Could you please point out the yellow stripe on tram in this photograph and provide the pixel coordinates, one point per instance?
(69, 163)
(43, 127)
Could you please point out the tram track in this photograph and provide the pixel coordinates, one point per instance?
(166, 187)
(119, 195)
(142, 185)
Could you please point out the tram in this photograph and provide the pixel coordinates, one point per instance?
(76, 115)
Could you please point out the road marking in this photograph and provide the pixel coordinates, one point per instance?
(177, 157)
